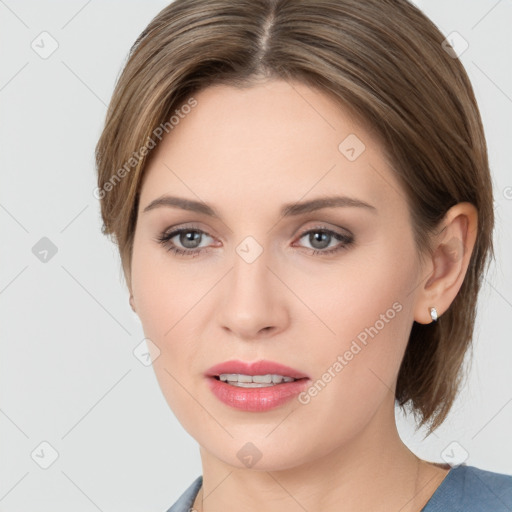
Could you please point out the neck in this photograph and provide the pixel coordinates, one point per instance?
(374, 471)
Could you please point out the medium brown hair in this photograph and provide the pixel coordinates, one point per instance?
(384, 59)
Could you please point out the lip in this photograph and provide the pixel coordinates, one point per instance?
(262, 367)
(259, 399)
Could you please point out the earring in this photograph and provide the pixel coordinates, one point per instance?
(433, 314)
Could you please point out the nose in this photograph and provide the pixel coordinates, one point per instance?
(252, 300)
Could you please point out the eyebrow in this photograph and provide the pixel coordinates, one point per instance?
(287, 210)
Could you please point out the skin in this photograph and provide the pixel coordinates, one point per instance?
(246, 153)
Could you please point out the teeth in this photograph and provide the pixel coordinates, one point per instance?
(253, 381)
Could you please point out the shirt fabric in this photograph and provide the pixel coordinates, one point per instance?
(464, 489)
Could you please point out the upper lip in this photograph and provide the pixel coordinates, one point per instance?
(261, 367)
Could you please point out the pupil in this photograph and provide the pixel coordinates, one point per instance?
(323, 238)
(318, 240)
(189, 239)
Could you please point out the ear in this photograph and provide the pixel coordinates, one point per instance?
(132, 304)
(446, 267)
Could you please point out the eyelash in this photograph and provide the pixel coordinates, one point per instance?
(165, 240)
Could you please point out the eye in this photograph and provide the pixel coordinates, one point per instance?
(187, 241)
(193, 241)
(326, 241)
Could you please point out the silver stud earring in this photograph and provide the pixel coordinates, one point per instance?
(433, 314)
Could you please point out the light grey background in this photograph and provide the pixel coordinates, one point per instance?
(67, 369)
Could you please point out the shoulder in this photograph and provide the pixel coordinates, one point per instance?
(464, 489)
(471, 489)
(186, 500)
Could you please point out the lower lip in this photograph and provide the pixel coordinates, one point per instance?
(256, 399)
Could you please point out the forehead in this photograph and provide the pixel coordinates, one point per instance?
(273, 141)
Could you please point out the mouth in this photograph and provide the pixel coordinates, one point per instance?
(260, 373)
(254, 381)
(255, 386)
(259, 386)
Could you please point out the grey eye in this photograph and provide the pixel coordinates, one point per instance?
(190, 239)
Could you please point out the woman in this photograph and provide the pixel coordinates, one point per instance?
(301, 197)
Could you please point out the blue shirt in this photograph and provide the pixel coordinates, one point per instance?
(464, 489)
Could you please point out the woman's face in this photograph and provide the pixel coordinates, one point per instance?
(328, 292)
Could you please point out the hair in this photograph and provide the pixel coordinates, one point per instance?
(384, 60)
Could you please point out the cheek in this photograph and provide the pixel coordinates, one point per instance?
(356, 369)
(367, 307)
(162, 306)
(169, 302)
(365, 289)
(161, 292)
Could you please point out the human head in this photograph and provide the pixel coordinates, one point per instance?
(383, 62)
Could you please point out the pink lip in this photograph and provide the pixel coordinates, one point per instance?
(256, 399)
(261, 367)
